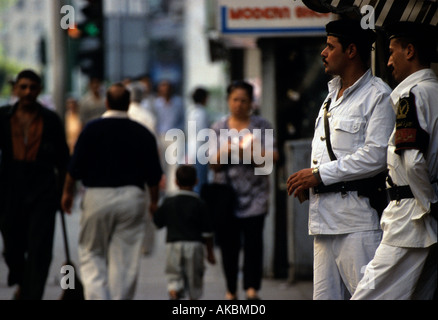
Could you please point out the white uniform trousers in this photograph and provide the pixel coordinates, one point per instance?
(112, 227)
(393, 274)
(339, 263)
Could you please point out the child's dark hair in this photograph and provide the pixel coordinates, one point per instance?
(186, 175)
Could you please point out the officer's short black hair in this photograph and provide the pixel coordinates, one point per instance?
(350, 31)
(186, 175)
(423, 37)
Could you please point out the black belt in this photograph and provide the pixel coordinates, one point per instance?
(362, 186)
(399, 192)
(342, 187)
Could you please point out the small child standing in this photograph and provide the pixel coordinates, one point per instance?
(189, 228)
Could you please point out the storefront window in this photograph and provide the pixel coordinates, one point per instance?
(301, 86)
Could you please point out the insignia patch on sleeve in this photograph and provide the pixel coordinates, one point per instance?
(409, 134)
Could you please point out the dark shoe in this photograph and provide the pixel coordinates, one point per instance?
(17, 294)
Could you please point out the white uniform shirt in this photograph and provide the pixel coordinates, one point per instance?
(407, 224)
(360, 122)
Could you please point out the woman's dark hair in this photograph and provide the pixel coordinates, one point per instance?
(241, 84)
(186, 175)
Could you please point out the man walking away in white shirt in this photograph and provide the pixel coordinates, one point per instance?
(144, 116)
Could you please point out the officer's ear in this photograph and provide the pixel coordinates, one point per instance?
(351, 50)
(409, 51)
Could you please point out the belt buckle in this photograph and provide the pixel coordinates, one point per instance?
(343, 191)
(397, 195)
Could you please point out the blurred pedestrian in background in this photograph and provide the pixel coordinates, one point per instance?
(145, 117)
(34, 158)
(244, 229)
(147, 100)
(92, 104)
(189, 234)
(170, 114)
(136, 110)
(73, 125)
(114, 158)
(198, 118)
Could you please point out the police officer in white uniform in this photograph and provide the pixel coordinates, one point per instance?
(409, 228)
(359, 119)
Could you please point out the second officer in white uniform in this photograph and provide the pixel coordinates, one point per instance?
(408, 249)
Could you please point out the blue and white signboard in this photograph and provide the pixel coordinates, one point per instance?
(270, 18)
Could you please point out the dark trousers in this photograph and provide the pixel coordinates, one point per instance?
(27, 224)
(246, 234)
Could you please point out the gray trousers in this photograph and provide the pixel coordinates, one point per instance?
(185, 267)
(112, 228)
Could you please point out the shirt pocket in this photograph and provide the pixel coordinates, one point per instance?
(347, 134)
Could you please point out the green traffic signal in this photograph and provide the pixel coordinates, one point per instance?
(91, 29)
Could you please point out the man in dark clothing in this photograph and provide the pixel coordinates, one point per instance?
(114, 158)
(34, 157)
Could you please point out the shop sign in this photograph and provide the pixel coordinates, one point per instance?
(270, 18)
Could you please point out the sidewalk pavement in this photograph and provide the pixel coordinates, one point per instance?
(152, 281)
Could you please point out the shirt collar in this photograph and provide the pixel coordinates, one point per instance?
(14, 107)
(406, 85)
(115, 114)
(184, 192)
(335, 83)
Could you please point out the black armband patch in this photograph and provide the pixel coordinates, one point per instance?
(409, 134)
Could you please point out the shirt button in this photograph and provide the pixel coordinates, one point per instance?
(329, 114)
(315, 161)
(322, 138)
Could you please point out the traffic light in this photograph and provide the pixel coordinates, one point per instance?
(91, 42)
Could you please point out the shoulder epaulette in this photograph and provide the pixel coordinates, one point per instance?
(409, 134)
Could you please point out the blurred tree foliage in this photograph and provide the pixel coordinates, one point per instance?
(8, 69)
